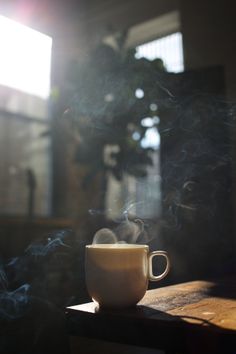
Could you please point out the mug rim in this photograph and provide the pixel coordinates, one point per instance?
(115, 246)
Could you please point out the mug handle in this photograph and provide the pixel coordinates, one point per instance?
(153, 254)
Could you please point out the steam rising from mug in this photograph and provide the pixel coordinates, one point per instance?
(104, 235)
(127, 232)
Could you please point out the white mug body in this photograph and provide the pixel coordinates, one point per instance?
(117, 275)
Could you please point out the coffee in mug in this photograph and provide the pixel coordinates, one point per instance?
(117, 275)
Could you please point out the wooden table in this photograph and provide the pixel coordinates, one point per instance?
(194, 317)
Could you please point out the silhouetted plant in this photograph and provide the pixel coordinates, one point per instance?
(113, 92)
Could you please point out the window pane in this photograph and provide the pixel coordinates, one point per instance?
(169, 49)
(25, 59)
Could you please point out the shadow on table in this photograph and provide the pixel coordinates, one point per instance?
(147, 327)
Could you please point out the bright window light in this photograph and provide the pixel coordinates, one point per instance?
(168, 48)
(151, 139)
(25, 60)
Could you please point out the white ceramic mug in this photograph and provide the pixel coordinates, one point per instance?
(117, 274)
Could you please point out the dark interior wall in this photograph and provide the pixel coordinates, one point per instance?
(209, 39)
(209, 36)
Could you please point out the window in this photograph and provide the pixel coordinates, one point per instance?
(25, 64)
(25, 58)
(168, 48)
